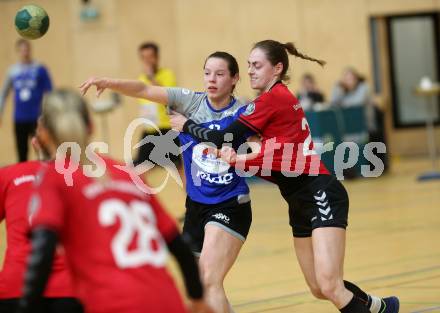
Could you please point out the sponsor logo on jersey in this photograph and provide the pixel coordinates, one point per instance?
(95, 189)
(24, 179)
(249, 109)
(228, 113)
(222, 217)
(297, 106)
(206, 158)
(220, 180)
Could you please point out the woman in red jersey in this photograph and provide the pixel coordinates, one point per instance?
(114, 235)
(16, 186)
(318, 203)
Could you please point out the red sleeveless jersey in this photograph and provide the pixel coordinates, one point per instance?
(287, 144)
(16, 186)
(114, 237)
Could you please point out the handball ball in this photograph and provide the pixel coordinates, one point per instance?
(31, 21)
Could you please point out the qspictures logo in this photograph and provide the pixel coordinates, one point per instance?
(207, 165)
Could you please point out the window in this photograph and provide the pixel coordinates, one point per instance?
(413, 54)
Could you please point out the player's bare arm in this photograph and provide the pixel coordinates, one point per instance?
(254, 145)
(127, 87)
(229, 155)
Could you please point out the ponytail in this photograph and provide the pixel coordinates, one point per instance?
(290, 47)
(276, 52)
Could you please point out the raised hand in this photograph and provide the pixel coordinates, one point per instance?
(100, 83)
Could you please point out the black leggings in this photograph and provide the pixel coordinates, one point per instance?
(22, 133)
(47, 305)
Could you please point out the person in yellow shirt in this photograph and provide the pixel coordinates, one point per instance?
(153, 74)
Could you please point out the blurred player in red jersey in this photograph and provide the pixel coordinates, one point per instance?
(16, 186)
(114, 235)
(318, 202)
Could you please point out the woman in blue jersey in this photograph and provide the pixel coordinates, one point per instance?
(218, 211)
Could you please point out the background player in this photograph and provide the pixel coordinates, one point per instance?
(218, 212)
(154, 75)
(30, 80)
(114, 235)
(318, 203)
(16, 186)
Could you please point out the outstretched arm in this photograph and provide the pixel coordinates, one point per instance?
(253, 149)
(131, 88)
(234, 132)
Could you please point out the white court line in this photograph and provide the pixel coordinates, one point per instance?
(434, 308)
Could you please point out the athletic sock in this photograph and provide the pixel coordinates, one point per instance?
(355, 305)
(358, 292)
(375, 304)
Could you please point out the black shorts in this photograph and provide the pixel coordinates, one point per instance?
(234, 216)
(145, 150)
(46, 305)
(321, 201)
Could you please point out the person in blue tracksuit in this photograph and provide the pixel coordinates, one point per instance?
(30, 80)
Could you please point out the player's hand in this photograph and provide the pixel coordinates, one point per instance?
(177, 121)
(99, 83)
(199, 306)
(228, 154)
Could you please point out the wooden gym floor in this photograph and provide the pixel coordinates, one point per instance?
(393, 245)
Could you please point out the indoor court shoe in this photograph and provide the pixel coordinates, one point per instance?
(391, 305)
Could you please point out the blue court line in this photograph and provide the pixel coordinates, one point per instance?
(434, 308)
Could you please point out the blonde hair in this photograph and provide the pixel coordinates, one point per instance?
(66, 117)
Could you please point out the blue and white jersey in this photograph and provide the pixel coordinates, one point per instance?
(30, 82)
(210, 180)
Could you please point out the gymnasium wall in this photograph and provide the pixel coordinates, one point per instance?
(187, 31)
